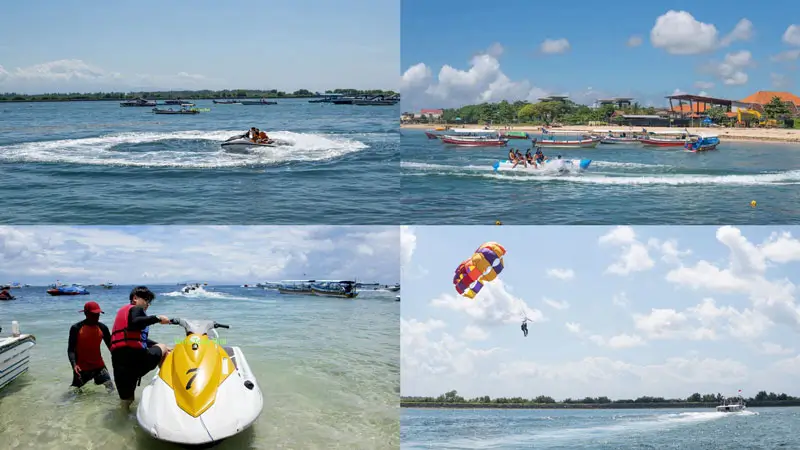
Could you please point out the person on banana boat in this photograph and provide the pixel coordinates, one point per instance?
(512, 157)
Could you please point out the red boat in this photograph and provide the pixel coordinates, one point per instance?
(431, 135)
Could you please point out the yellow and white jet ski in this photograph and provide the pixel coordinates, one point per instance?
(203, 393)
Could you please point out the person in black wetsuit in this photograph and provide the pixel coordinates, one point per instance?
(83, 349)
(524, 327)
(133, 354)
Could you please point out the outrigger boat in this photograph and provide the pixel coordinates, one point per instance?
(701, 142)
(473, 138)
(618, 136)
(672, 138)
(138, 102)
(184, 110)
(330, 288)
(580, 139)
(297, 287)
(258, 102)
(515, 135)
(227, 102)
(436, 133)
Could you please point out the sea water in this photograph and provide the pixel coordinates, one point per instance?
(627, 184)
(98, 163)
(327, 368)
(605, 429)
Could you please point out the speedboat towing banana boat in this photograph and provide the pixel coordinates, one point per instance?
(203, 392)
(240, 144)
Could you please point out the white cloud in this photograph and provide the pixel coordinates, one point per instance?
(633, 256)
(620, 299)
(408, 244)
(731, 69)
(67, 75)
(171, 254)
(679, 33)
(619, 341)
(788, 55)
(746, 274)
(573, 327)
(780, 81)
(771, 348)
(561, 274)
(703, 84)
(495, 50)
(792, 35)
(474, 333)
(635, 41)
(493, 305)
(484, 81)
(554, 46)
(555, 304)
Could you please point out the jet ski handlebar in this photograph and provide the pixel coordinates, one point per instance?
(185, 324)
(219, 325)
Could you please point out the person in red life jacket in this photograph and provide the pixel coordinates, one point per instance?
(133, 354)
(83, 349)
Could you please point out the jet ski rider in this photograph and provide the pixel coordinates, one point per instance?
(133, 355)
(83, 348)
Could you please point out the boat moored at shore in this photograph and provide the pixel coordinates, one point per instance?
(669, 138)
(14, 354)
(566, 139)
(334, 288)
(619, 136)
(466, 137)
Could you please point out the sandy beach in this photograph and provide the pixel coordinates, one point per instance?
(743, 134)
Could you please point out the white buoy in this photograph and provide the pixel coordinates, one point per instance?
(15, 328)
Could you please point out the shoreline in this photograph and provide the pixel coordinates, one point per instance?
(659, 405)
(776, 135)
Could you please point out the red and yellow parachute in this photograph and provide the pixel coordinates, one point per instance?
(484, 265)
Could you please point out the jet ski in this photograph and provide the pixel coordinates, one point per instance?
(203, 392)
(241, 144)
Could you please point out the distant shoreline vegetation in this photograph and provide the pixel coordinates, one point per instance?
(451, 400)
(12, 97)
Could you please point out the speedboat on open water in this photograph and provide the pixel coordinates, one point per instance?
(203, 393)
(14, 354)
(735, 404)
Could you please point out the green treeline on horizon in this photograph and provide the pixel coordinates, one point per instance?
(568, 112)
(453, 400)
(182, 95)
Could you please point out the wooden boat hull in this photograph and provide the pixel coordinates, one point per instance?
(187, 113)
(474, 143)
(432, 135)
(613, 140)
(323, 293)
(56, 292)
(583, 143)
(252, 103)
(661, 143)
(295, 292)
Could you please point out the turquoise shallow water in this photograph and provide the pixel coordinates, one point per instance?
(624, 185)
(97, 163)
(651, 429)
(328, 368)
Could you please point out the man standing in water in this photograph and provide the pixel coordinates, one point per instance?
(83, 349)
(133, 355)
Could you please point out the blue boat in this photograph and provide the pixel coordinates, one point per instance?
(701, 142)
(74, 289)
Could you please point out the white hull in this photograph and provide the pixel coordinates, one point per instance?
(234, 410)
(567, 144)
(14, 357)
(245, 145)
(731, 408)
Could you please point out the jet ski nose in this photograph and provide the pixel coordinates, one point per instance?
(249, 385)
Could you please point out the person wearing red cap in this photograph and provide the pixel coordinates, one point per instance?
(83, 350)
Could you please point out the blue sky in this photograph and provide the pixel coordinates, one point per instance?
(686, 54)
(127, 255)
(88, 45)
(622, 312)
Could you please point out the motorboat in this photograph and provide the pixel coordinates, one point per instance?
(332, 288)
(701, 142)
(14, 354)
(565, 164)
(241, 144)
(227, 102)
(397, 298)
(670, 138)
(618, 136)
(732, 404)
(258, 102)
(394, 288)
(138, 102)
(203, 392)
(466, 137)
(296, 287)
(74, 289)
(566, 139)
(175, 102)
(183, 110)
(515, 135)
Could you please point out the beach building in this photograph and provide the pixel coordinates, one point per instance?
(617, 102)
(431, 113)
(554, 98)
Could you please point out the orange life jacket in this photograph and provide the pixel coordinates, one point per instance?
(262, 135)
(121, 336)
